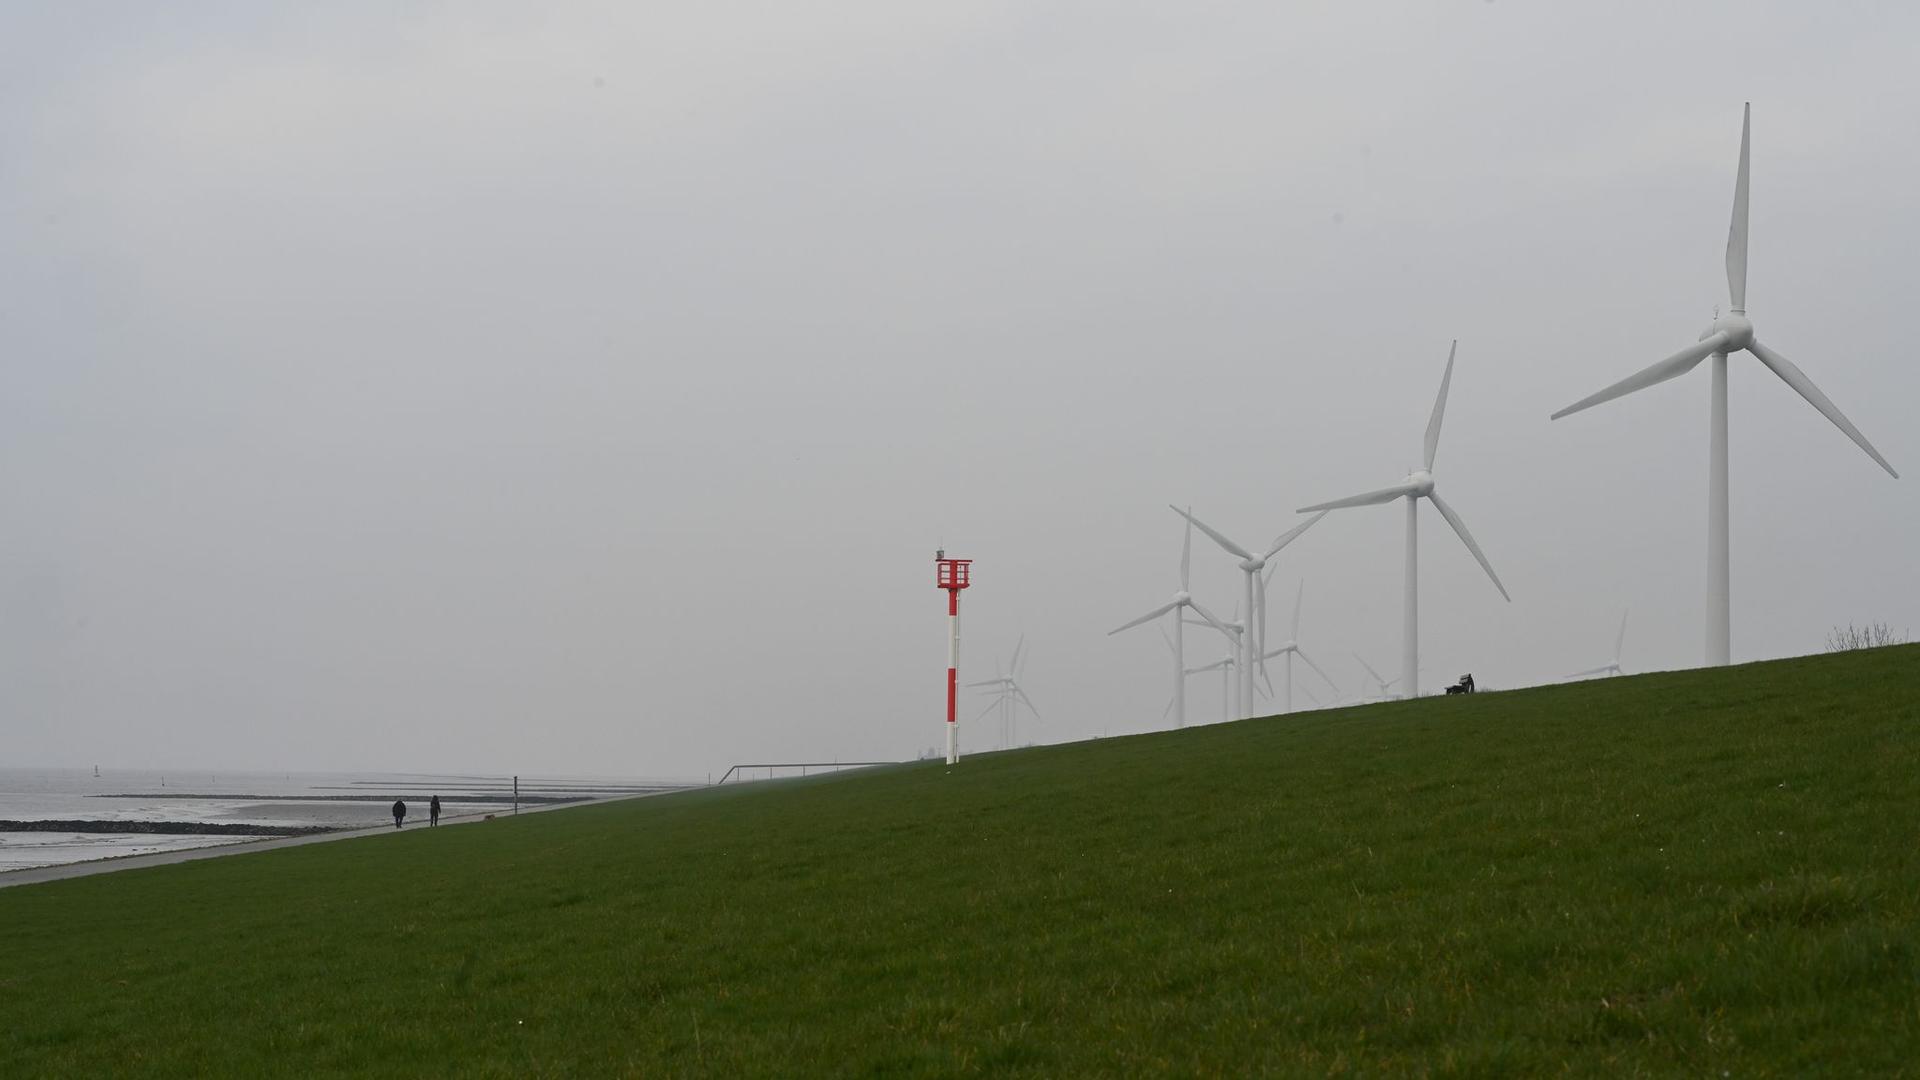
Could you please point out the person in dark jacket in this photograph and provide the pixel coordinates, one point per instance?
(399, 811)
(433, 811)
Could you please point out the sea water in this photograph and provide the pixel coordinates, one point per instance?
(336, 800)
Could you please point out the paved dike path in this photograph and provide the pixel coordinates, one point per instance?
(35, 875)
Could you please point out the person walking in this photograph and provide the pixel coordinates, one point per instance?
(433, 811)
(399, 811)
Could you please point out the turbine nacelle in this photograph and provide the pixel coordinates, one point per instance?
(1421, 481)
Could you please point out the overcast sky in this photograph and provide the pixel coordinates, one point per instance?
(585, 388)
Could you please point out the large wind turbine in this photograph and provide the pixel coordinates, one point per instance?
(1729, 333)
(1253, 641)
(1613, 668)
(1418, 485)
(1181, 599)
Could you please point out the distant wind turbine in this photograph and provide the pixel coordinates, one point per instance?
(1234, 630)
(1613, 668)
(1419, 485)
(1380, 685)
(1009, 695)
(1292, 649)
(1252, 642)
(1729, 333)
(1228, 684)
(1182, 599)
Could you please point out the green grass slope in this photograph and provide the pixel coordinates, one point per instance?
(1697, 872)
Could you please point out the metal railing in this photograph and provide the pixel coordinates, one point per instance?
(803, 766)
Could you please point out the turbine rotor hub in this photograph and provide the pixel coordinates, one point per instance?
(1737, 327)
(1422, 480)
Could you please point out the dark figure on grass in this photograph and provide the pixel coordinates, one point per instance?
(399, 812)
(433, 811)
(1464, 686)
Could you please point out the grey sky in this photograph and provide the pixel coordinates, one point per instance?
(585, 388)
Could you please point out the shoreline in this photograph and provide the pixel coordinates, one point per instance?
(161, 828)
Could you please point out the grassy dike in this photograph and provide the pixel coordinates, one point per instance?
(1698, 872)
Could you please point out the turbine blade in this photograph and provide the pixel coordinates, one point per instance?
(1212, 619)
(1269, 682)
(1164, 636)
(1737, 232)
(1147, 618)
(1186, 558)
(1466, 538)
(987, 682)
(1019, 661)
(1620, 638)
(985, 711)
(1166, 712)
(1316, 668)
(1371, 498)
(1310, 696)
(1230, 546)
(1027, 701)
(1298, 595)
(1678, 364)
(1797, 379)
(1292, 534)
(1591, 672)
(1440, 406)
(1370, 671)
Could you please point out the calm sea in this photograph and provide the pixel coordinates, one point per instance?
(345, 800)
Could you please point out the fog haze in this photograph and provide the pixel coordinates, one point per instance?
(586, 389)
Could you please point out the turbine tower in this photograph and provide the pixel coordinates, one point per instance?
(1181, 599)
(1730, 333)
(1610, 668)
(1419, 485)
(1252, 643)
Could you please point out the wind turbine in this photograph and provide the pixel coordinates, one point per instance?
(1181, 599)
(1380, 685)
(1614, 667)
(1292, 649)
(1235, 632)
(1009, 694)
(1418, 485)
(1252, 642)
(1729, 333)
(1227, 683)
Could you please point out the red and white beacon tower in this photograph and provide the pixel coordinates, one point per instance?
(955, 574)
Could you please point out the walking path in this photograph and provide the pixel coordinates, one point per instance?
(37, 874)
